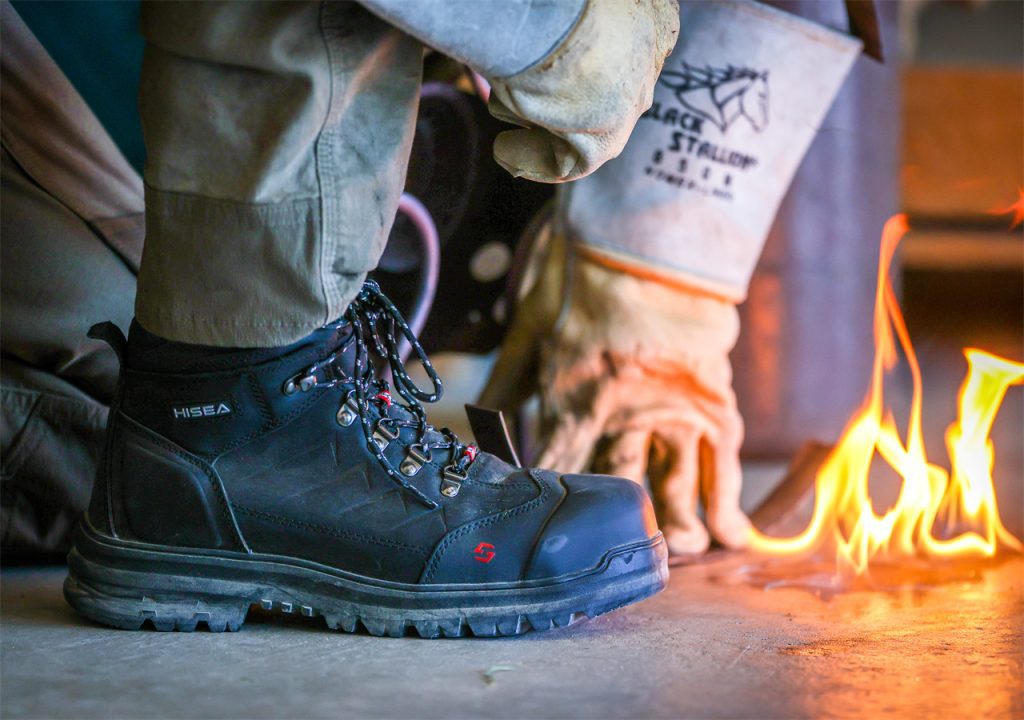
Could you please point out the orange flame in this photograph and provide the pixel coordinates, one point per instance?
(930, 499)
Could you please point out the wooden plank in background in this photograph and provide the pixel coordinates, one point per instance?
(962, 250)
(963, 140)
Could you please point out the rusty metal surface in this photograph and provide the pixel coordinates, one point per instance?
(491, 433)
(787, 499)
(864, 23)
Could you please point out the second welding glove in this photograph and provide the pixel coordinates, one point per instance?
(629, 328)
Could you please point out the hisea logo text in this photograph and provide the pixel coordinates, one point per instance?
(205, 410)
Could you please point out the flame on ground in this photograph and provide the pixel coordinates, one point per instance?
(937, 514)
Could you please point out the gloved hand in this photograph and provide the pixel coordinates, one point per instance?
(575, 74)
(635, 380)
(579, 104)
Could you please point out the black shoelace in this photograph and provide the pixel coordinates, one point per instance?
(376, 325)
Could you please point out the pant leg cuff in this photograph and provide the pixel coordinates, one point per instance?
(223, 273)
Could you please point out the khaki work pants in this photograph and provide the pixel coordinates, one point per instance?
(72, 236)
(277, 140)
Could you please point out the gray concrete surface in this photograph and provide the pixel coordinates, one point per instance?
(710, 646)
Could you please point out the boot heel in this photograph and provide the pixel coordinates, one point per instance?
(131, 612)
(128, 598)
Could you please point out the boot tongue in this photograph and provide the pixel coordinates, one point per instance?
(147, 352)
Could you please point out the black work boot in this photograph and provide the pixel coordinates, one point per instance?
(291, 478)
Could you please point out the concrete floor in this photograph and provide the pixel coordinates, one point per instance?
(710, 646)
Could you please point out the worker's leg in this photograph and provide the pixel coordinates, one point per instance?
(71, 221)
(59, 277)
(277, 137)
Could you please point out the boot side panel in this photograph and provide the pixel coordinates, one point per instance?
(152, 490)
(100, 510)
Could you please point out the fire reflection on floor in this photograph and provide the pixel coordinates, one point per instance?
(925, 644)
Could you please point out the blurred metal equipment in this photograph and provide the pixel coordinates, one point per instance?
(479, 210)
(804, 354)
(441, 174)
(429, 265)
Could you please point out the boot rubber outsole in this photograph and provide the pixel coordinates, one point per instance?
(127, 584)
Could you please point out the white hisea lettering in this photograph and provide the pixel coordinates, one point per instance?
(191, 412)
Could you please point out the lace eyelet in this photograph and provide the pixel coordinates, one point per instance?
(382, 434)
(413, 461)
(348, 412)
(452, 482)
(299, 382)
(378, 328)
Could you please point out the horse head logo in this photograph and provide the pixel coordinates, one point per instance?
(721, 95)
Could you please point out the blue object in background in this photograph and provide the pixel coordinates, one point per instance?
(99, 48)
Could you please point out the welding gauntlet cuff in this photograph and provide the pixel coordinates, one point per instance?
(697, 187)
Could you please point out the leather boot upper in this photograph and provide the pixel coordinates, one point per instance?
(256, 457)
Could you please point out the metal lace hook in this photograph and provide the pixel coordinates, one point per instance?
(372, 444)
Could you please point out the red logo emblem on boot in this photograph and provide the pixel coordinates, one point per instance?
(484, 552)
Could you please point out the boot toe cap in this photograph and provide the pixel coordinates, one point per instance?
(599, 513)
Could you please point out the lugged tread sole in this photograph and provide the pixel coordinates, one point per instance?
(130, 586)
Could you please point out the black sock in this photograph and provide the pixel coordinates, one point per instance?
(147, 352)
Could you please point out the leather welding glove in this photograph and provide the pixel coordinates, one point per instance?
(579, 104)
(635, 381)
(629, 327)
(574, 74)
